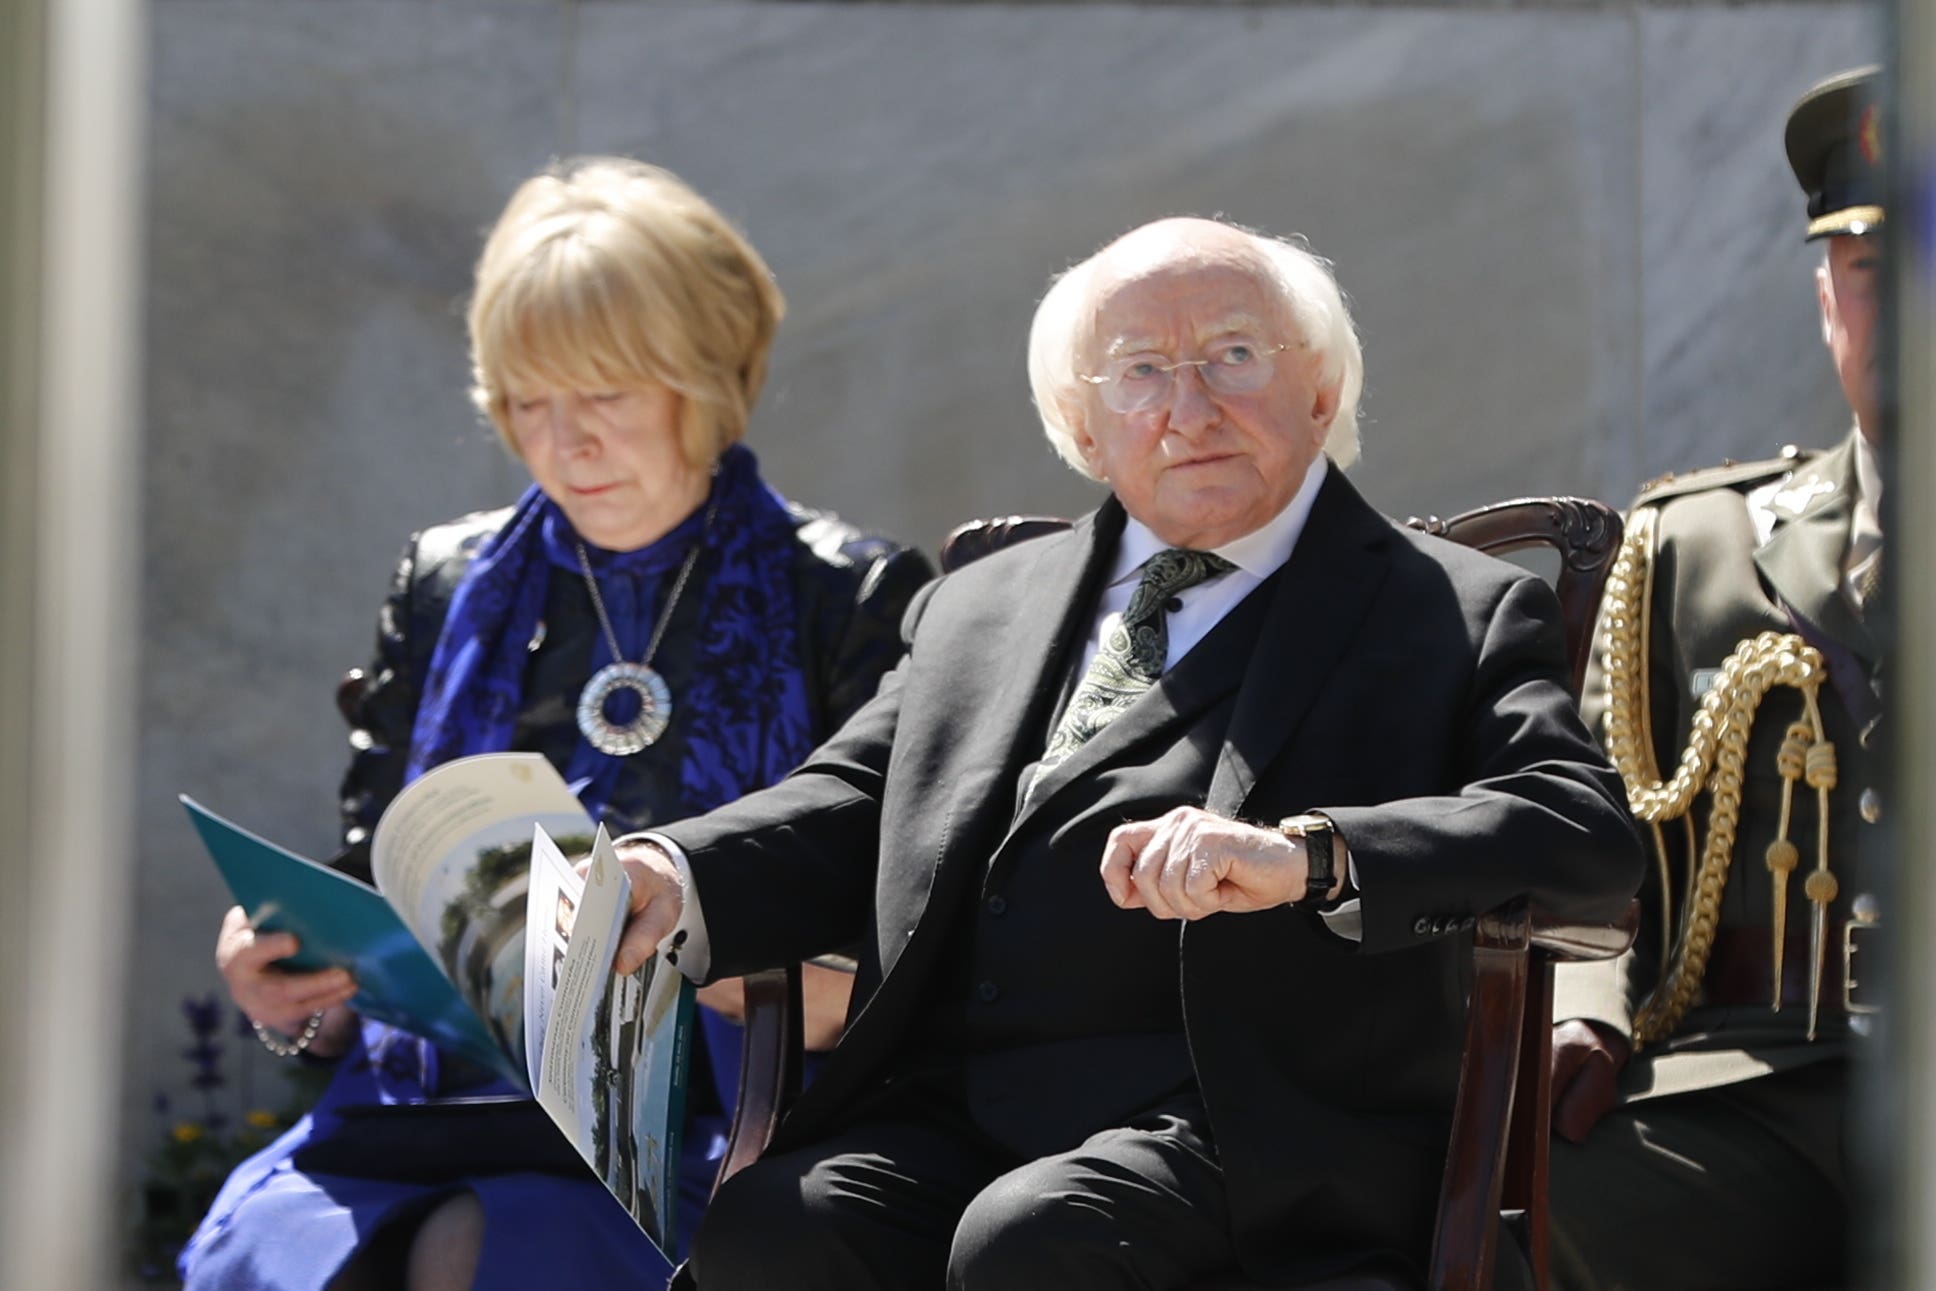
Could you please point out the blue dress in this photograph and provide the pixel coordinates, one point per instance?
(276, 1227)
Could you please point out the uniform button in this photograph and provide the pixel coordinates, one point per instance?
(998, 905)
(988, 992)
(1422, 926)
(1870, 805)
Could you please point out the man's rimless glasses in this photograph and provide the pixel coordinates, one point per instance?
(1138, 382)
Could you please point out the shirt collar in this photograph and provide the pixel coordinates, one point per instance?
(1868, 471)
(1258, 553)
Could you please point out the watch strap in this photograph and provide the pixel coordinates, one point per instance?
(1320, 857)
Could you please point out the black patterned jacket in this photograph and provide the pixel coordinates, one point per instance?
(850, 589)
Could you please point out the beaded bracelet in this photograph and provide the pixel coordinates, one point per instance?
(284, 1047)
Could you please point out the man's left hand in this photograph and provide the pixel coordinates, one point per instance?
(1189, 863)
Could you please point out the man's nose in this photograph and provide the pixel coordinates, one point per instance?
(1192, 409)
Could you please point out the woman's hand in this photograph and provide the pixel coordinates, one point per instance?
(1586, 1063)
(824, 993)
(726, 997)
(280, 1001)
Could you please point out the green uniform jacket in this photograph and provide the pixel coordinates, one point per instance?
(1715, 585)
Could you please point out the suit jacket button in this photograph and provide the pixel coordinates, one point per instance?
(997, 905)
(1422, 926)
(988, 992)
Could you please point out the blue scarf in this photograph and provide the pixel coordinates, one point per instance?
(744, 712)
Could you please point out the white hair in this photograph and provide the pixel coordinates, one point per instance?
(1307, 289)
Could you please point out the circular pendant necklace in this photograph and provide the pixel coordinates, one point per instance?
(655, 697)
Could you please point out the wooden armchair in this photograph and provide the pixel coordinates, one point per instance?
(1497, 1159)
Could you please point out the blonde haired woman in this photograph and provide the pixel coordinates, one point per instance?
(653, 619)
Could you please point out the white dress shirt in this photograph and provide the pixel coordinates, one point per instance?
(1257, 555)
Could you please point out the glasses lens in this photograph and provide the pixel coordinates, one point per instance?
(1135, 382)
(1237, 367)
(1140, 382)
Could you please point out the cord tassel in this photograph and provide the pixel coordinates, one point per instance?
(1783, 856)
(1822, 885)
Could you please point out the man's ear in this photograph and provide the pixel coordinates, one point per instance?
(1076, 418)
(1324, 405)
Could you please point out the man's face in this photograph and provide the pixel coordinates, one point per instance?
(1200, 467)
(1848, 287)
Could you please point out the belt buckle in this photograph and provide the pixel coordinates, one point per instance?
(1865, 919)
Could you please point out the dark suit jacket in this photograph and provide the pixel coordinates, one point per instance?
(1410, 688)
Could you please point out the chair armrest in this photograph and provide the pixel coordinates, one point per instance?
(1566, 941)
(1464, 1238)
(769, 1066)
(1498, 1152)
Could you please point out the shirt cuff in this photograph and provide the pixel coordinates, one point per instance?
(687, 947)
(1347, 918)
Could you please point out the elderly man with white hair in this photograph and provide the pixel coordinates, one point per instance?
(1161, 844)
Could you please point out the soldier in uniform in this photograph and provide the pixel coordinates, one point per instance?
(1700, 1082)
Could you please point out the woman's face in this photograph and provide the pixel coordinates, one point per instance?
(610, 459)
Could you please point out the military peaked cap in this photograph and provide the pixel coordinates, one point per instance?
(1834, 142)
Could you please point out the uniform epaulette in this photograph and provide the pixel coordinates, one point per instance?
(1728, 475)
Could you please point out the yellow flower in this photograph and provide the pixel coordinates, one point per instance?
(187, 1131)
(260, 1119)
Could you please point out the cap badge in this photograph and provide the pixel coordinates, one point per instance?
(1868, 134)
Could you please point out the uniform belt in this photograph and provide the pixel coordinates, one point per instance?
(1740, 970)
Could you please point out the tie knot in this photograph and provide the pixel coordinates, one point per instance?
(1168, 572)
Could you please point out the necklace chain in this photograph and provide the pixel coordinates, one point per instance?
(665, 615)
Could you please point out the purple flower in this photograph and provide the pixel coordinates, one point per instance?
(205, 1056)
(204, 1015)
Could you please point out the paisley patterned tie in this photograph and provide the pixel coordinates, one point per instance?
(1133, 652)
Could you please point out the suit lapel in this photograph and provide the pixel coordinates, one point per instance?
(1032, 644)
(1802, 559)
(1208, 672)
(1046, 625)
(1323, 594)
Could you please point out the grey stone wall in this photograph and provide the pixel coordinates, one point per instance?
(1568, 230)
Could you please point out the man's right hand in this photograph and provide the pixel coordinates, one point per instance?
(1587, 1058)
(658, 899)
